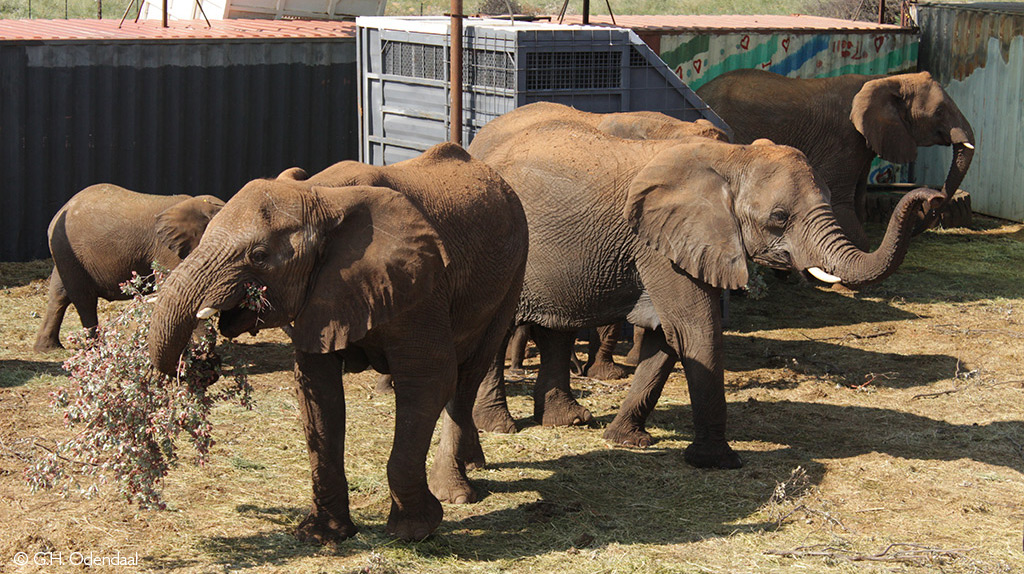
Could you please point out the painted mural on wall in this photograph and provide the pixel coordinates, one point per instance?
(699, 58)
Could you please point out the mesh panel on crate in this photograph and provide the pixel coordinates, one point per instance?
(573, 70)
(415, 60)
(489, 68)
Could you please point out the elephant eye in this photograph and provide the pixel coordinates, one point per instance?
(259, 256)
(778, 218)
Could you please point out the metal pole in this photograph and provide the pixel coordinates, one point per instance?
(455, 74)
(99, 9)
(881, 11)
(164, 21)
(586, 11)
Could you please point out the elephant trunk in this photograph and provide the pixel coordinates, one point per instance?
(174, 318)
(852, 266)
(963, 153)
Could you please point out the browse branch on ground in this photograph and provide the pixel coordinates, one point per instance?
(126, 414)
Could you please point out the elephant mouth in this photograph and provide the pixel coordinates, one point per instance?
(234, 322)
(774, 259)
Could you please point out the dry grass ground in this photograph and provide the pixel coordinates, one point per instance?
(883, 431)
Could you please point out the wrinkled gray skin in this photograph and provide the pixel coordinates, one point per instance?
(103, 234)
(414, 269)
(627, 125)
(654, 230)
(842, 123)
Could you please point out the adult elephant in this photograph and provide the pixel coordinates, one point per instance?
(414, 269)
(842, 123)
(103, 234)
(654, 230)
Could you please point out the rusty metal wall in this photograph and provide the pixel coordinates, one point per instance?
(976, 51)
(163, 117)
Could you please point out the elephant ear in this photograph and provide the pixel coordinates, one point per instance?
(181, 226)
(379, 258)
(879, 113)
(683, 208)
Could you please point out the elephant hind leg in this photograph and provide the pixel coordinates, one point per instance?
(490, 411)
(657, 360)
(459, 449)
(601, 362)
(48, 337)
(553, 402)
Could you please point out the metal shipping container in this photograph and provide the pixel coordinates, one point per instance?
(404, 77)
(976, 51)
(180, 110)
(700, 48)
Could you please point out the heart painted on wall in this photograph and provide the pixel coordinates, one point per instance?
(745, 43)
(879, 40)
(785, 44)
(697, 65)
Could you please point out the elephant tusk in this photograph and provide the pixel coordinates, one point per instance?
(151, 300)
(822, 276)
(206, 313)
(968, 145)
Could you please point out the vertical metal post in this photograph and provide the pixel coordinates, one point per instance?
(164, 21)
(586, 11)
(881, 11)
(99, 9)
(455, 75)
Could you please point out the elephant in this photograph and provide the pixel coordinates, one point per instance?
(103, 234)
(642, 125)
(654, 231)
(412, 269)
(841, 123)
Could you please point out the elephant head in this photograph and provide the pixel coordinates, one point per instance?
(335, 263)
(898, 114)
(708, 206)
(181, 226)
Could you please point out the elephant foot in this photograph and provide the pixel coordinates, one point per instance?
(385, 385)
(415, 525)
(47, 345)
(323, 528)
(712, 455)
(452, 486)
(494, 419)
(635, 437)
(560, 410)
(607, 371)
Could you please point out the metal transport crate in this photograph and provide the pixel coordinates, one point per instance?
(403, 77)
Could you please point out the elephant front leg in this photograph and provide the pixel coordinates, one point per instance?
(656, 360)
(553, 402)
(322, 408)
(701, 355)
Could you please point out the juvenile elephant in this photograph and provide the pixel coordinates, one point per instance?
(414, 269)
(652, 231)
(842, 123)
(642, 125)
(104, 233)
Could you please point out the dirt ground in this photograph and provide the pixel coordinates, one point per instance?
(882, 431)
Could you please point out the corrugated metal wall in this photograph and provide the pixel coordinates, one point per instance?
(699, 57)
(163, 117)
(976, 51)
